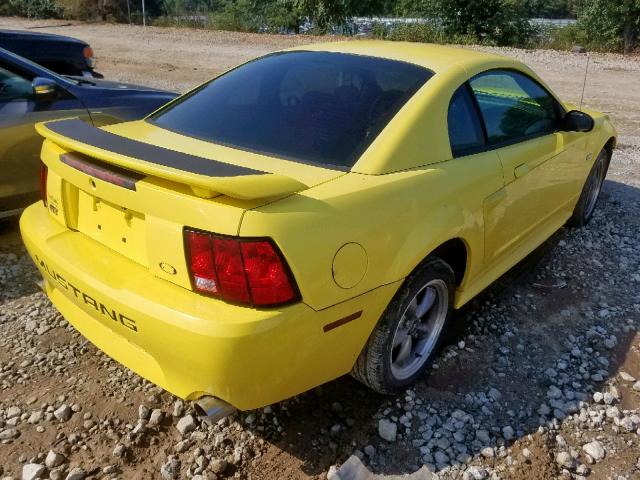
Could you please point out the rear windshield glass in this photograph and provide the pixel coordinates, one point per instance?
(317, 107)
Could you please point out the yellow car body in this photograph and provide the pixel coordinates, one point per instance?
(114, 260)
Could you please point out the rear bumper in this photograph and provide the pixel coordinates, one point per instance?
(188, 344)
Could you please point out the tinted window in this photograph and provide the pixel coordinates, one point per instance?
(465, 129)
(513, 106)
(311, 106)
(13, 87)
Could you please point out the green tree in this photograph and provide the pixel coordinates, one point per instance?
(612, 23)
(546, 8)
(325, 13)
(414, 8)
(33, 8)
(283, 16)
(495, 21)
(240, 15)
(193, 13)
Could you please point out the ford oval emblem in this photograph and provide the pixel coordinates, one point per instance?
(166, 268)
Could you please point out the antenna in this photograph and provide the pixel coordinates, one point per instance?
(584, 83)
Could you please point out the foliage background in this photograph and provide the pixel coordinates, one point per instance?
(610, 25)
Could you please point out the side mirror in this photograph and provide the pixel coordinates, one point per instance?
(577, 121)
(44, 89)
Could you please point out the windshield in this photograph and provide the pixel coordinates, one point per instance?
(317, 107)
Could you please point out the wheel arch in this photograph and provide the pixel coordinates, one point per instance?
(604, 136)
(455, 252)
(610, 146)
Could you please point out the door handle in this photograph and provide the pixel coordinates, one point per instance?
(521, 170)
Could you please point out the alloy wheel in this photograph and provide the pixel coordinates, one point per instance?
(419, 329)
(595, 185)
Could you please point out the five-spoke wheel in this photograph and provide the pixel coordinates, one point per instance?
(406, 339)
(419, 329)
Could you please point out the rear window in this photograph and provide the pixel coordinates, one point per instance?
(317, 107)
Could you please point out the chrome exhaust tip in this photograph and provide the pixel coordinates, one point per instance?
(212, 409)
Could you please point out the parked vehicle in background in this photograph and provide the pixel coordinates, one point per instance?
(59, 53)
(31, 94)
(308, 214)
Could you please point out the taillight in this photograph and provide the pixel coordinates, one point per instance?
(244, 271)
(203, 273)
(44, 172)
(267, 275)
(232, 278)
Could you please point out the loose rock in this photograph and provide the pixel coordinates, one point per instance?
(186, 425)
(595, 450)
(171, 469)
(32, 471)
(387, 430)
(76, 474)
(54, 459)
(63, 413)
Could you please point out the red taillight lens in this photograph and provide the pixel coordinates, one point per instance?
(245, 271)
(267, 275)
(44, 173)
(203, 273)
(233, 281)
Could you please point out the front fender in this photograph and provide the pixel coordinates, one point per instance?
(603, 131)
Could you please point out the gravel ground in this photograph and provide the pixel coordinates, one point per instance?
(541, 379)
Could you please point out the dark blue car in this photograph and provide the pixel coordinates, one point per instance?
(62, 54)
(30, 94)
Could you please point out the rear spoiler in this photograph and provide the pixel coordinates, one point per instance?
(205, 177)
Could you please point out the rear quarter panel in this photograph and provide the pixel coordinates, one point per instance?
(397, 218)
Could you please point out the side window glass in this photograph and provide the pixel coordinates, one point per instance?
(13, 87)
(513, 106)
(465, 130)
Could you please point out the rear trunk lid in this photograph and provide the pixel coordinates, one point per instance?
(133, 187)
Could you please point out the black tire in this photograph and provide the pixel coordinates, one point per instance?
(586, 205)
(374, 365)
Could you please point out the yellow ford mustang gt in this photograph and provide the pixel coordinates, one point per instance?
(311, 213)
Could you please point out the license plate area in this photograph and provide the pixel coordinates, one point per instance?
(114, 226)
